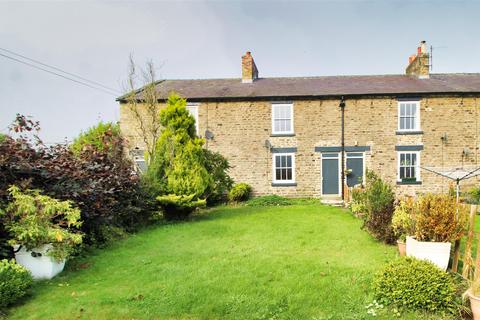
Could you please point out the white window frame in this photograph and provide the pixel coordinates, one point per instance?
(291, 131)
(274, 167)
(194, 107)
(417, 115)
(138, 166)
(417, 166)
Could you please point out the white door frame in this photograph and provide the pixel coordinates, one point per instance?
(362, 156)
(338, 158)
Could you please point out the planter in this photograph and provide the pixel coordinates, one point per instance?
(474, 305)
(38, 262)
(436, 252)
(402, 248)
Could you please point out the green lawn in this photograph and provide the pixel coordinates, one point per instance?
(295, 262)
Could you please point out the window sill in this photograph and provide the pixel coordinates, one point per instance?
(282, 135)
(403, 133)
(284, 184)
(406, 183)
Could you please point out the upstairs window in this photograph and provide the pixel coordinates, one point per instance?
(193, 109)
(408, 115)
(409, 166)
(283, 168)
(282, 118)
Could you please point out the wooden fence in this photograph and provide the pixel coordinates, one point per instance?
(470, 267)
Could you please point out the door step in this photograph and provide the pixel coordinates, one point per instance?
(335, 202)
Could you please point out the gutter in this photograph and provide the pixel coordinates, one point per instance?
(122, 99)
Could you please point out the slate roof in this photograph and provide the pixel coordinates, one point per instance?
(327, 86)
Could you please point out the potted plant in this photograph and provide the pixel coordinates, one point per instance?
(403, 223)
(42, 230)
(439, 221)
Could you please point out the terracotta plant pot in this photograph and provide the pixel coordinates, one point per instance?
(475, 305)
(402, 248)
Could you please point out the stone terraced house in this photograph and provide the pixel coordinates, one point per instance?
(284, 135)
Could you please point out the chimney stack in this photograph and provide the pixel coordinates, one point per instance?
(249, 69)
(419, 64)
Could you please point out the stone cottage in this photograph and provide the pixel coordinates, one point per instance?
(301, 136)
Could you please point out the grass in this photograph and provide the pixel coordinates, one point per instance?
(303, 261)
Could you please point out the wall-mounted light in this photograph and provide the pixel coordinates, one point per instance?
(209, 135)
(267, 144)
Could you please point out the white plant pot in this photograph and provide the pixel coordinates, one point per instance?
(474, 305)
(436, 252)
(41, 267)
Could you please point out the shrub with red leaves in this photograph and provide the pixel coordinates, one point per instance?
(102, 184)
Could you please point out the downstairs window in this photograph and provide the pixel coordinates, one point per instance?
(408, 166)
(283, 168)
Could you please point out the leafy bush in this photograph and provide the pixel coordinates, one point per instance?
(105, 186)
(270, 200)
(379, 204)
(178, 171)
(403, 221)
(182, 174)
(5, 249)
(221, 182)
(34, 220)
(14, 282)
(107, 234)
(473, 195)
(358, 205)
(240, 192)
(99, 137)
(179, 206)
(102, 184)
(418, 284)
(439, 218)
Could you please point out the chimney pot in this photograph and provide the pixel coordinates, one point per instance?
(423, 47)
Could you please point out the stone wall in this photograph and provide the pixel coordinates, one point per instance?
(240, 129)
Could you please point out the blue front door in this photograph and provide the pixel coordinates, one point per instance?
(355, 166)
(330, 174)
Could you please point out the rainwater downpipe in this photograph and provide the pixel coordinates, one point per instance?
(342, 108)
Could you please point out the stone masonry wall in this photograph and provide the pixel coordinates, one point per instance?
(241, 128)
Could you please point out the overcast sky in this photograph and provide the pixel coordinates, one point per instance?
(93, 39)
